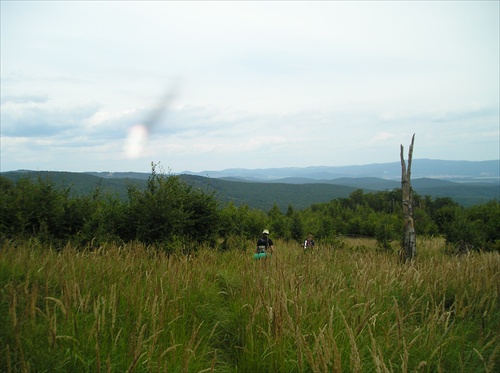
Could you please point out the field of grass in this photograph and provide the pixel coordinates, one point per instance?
(340, 309)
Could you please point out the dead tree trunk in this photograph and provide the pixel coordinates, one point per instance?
(409, 249)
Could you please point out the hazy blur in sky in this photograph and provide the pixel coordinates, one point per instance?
(114, 86)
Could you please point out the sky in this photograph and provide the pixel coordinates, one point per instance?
(194, 86)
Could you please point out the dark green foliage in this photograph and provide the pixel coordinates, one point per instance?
(7, 211)
(156, 212)
(263, 195)
(487, 219)
(241, 221)
(443, 211)
(170, 209)
(476, 226)
(296, 226)
(278, 222)
(167, 210)
(387, 229)
(32, 208)
(461, 230)
(172, 214)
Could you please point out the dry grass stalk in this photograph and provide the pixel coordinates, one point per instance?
(347, 304)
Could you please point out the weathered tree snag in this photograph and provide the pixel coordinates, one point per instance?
(409, 249)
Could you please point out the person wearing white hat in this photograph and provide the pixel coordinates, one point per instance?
(264, 243)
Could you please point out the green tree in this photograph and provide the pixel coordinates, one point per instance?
(460, 230)
(387, 229)
(36, 209)
(230, 221)
(8, 214)
(296, 226)
(443, 211)
(277, 222)
(170, 210)
(487, 218)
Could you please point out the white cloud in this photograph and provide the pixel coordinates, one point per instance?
(382, 137)
(250, 84)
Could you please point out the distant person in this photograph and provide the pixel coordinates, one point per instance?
(264, 243)
(309, 243)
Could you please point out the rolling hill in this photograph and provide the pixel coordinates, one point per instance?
(295, 188)
(488, 171)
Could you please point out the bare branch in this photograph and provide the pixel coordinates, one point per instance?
(410, 156)
(403, 165)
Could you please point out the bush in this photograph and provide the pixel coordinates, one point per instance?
(32, 209)
(168, 208)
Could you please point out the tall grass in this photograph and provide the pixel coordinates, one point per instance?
(351, 307)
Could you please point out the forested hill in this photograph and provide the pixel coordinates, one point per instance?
(459, 171)
(263, 195)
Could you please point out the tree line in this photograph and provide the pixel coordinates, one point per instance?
(172, 215)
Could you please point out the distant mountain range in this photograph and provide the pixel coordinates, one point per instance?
(466, 182)
(421, 168)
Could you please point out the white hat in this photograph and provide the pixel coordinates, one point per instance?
(265, 231)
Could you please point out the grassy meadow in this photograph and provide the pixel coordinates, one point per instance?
(343, 308)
